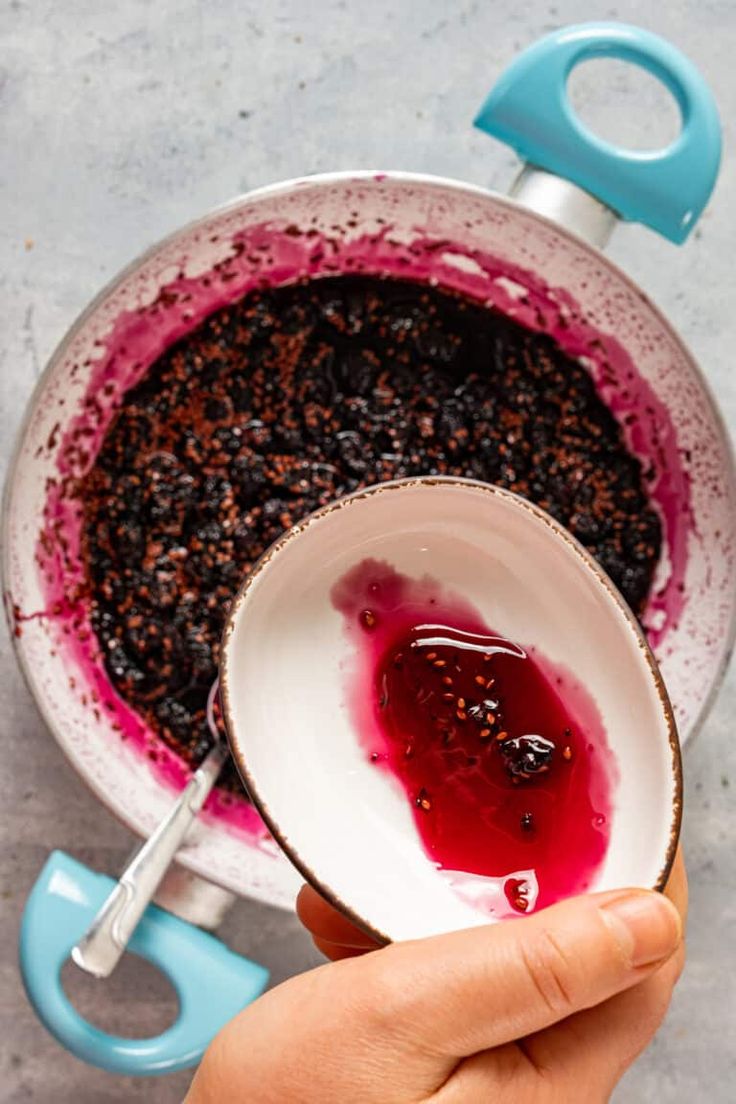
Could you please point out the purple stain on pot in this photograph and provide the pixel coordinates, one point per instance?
(271, 255)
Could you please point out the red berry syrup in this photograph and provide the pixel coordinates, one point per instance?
(501, 754)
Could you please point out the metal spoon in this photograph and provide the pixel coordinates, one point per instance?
(100, 950)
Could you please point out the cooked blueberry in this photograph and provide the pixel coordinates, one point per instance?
(527, 755)
(280, 402)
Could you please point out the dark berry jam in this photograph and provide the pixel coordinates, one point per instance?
(502, 757)
(293, 396)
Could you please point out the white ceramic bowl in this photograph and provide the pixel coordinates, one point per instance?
(345, 825)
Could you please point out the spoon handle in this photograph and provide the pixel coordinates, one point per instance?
(100, 950)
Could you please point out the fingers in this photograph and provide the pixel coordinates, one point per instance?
(676, 888)
(591, 1051)
(585, 1055)
(328, 927)
(335, 952)
(612, 1035)
(472, 990)
(504, 1073)
(601, 1043)
(397, 1024)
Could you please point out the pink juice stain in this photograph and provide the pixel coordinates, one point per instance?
(502, 756)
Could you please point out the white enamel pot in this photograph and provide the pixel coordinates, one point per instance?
(535, 256)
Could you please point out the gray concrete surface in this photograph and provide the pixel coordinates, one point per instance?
(120, 121)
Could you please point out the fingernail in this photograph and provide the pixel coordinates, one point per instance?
(647, 925)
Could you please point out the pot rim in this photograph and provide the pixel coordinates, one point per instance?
(269, 191)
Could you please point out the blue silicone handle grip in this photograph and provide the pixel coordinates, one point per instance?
(529, 109)
(212, 983)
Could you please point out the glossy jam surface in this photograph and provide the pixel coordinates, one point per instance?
(502, 756)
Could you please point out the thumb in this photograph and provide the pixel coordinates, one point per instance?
(471, 990)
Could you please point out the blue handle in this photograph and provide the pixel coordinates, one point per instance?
(212, 983)
(665, 189)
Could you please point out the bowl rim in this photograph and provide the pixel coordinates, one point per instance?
(576, 548)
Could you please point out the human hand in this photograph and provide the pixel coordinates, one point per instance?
(551, 1007)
